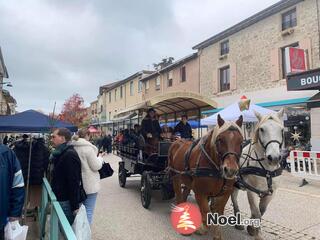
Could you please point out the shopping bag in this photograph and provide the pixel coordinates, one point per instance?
(14, 231)
(81, 226)
(105, 171)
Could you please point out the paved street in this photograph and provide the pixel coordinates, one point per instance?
(293, 214)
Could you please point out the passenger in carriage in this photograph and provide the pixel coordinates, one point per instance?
(184, 128)
(166, 133)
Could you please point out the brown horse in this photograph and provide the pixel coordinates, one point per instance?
(208, 167)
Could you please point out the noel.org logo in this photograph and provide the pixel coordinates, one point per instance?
(186, 218)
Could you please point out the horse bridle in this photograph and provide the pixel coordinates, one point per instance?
(262, 172)
(271, 141)
(221, 157)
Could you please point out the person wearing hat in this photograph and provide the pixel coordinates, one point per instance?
(150, 127)
(184, 128)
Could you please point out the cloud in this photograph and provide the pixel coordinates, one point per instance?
(53, 49)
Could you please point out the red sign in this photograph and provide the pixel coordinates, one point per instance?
(295, 60)
(186, 218)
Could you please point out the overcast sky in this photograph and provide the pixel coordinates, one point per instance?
(55, 48)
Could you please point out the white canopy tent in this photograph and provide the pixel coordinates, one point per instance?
(233, 112)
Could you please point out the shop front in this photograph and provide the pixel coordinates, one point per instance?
(310, 116)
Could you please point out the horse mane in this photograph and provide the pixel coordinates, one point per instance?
(270, 116)
(228, 125)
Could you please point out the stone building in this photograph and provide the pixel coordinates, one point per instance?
(249, 59)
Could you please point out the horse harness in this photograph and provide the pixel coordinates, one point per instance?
(261, 172)
(214, 171)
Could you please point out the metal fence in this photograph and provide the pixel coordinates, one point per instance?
(57, 222)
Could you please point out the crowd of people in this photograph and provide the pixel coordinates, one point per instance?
(72, 169)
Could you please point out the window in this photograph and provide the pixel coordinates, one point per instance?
(158, 83)
(224, 79)
(121, 92)
(183, 74)
(283, 58)
(147, 85)
(139, 86)
(109, 97)
(169, 79)
(101, 108)
(131, 88)
(115, 94)
(109, 115)
(224, 47)
(289, 19)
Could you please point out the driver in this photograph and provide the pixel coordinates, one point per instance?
(150, 127)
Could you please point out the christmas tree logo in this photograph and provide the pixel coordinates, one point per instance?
(185, 218)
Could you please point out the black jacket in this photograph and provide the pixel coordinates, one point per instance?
(150, 126)
(184, 130)
(39, 159)
(66, 177)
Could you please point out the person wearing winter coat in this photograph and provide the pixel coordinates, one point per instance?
(38, 165)
(150, 127)
(11, 188)
(184, 128)
(66, 174)
(90, 164)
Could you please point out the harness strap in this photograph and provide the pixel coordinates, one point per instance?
(188, 154)
(250, 170)
(207, 156)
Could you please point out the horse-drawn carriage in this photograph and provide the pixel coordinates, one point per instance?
(135, 159)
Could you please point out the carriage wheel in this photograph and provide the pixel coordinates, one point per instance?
(122, 175)
(145, 190)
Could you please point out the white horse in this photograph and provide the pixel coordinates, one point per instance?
(260, 168)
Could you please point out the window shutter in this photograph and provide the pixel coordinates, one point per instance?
(306, 45)
(215, 81)
(233, 76)
(275, 64)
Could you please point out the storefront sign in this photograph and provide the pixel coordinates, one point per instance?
(295, 60)
(308, 80)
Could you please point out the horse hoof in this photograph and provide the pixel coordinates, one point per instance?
(251, 230)
(239, 227)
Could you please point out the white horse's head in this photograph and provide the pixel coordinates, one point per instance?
(269, 134)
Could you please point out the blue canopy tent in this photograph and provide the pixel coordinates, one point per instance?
(32, 122)
(193, 124)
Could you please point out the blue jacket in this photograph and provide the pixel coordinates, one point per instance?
(11, 185)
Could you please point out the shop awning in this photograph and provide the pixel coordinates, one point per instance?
(269, 104)
(314, 101)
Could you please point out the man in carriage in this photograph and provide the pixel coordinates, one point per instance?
(151, 130)
(184, 128)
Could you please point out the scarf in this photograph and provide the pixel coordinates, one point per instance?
(58, 150)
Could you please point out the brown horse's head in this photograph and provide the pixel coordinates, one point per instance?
(227, 141)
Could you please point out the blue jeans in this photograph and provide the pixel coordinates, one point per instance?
(90, 204)
(65, 205)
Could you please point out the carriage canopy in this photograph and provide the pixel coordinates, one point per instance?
(173, 102)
